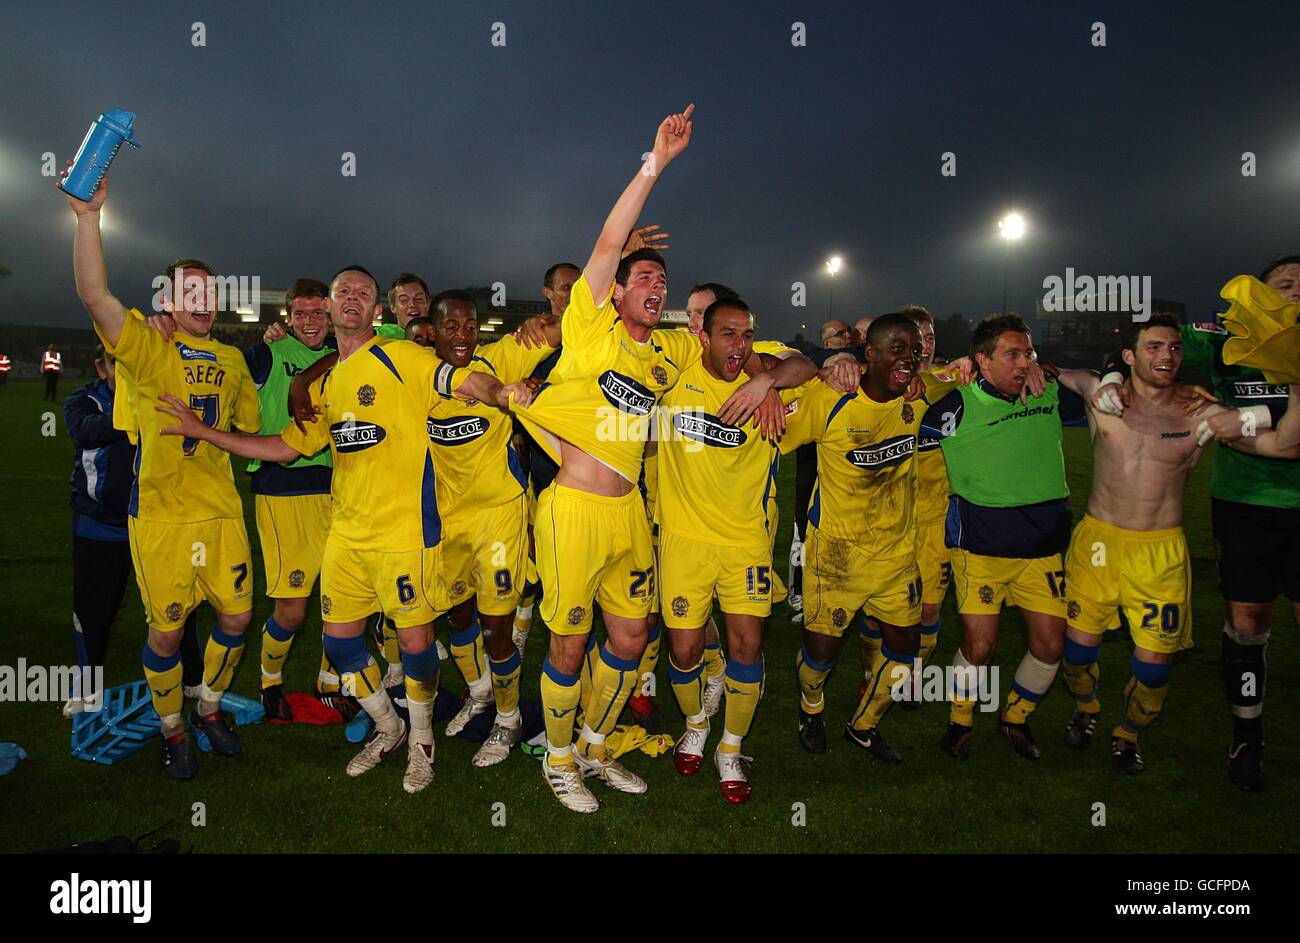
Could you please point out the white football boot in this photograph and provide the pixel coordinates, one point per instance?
(612, 773)
(567, 785)
(377, 748)
(496, 748)
(419, 767)
(468, 711)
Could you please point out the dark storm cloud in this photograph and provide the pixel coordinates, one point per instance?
(478, 164)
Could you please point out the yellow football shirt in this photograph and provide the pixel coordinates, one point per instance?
(866, 476)
(715, 479)
(375, 406)
(475, 463)
(123, 417)
(605, 387)
(931, 470)
(183, 481)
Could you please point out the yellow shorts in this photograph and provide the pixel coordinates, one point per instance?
(933, 559)
(691, 572)
(592, 548)
(1146, 574)
(292, 530)
(779, 591)
(177, 566)
(406, 586)
(485, 554)
(841, 577)
(983, 583)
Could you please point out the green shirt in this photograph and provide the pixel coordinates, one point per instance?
(395, 331)
(1001, 453)
(274, 366)
(1237, 476)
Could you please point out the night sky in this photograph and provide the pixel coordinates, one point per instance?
(478, 164)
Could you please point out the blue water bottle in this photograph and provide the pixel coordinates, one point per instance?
(97, 152)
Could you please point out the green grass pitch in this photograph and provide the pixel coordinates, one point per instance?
(288, 791)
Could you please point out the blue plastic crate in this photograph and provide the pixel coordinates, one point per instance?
(122, 726)
(127, 723)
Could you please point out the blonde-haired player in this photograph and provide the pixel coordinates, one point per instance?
(186, 522)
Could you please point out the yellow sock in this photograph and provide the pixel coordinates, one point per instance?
(361, 684)
(650, 657)
(163, 672)
(1082, 679)
(613, 681)
(220, 659)
(965, 691)
(929, 641)
(505, 682)
(470, 656)
(559, 701)
(1033, 680)
(422, 691)
(392, 653)
(276, 642)
(715, 663)
(1142, 705)
(812, 678)
(688, 686)
(584, 673)
(743, 684)
(869, 636)
(890, 671)
(327, 679)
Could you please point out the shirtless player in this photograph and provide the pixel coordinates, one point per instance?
(1128, 552)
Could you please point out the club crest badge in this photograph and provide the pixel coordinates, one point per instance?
(576, 614)
(986, 594)
(1072, 610)
(680, 606)
(908, 413)
(296, 578)
(839, 618)
(174, 612)
(366, 395)
(326, 604)
(660, 375)
(458, 589)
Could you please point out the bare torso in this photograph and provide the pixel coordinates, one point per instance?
(1140, 463)
(581, 471)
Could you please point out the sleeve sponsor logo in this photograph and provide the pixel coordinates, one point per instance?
(1255, 389)
(356, 436)
(626, 394)
(193, 353)
(703, 427)
(458, 430)
(893, 451)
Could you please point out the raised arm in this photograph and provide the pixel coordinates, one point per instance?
(268, 448)
(672, 138)
(90, 269)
